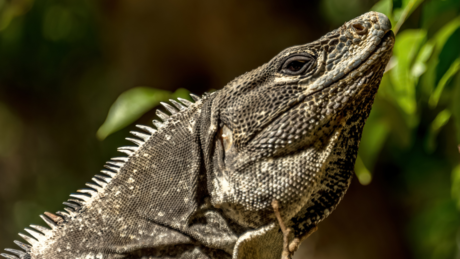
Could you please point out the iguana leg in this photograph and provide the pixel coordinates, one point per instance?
(289, 247)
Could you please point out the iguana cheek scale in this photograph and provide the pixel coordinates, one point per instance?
(202, 184)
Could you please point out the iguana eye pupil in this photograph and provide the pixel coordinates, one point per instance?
(295, 66)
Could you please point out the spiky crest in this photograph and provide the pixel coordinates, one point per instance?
(85, 196)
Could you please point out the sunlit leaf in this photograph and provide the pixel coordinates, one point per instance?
(375, 133)
(363, 174)
(397, 13)
(441, 119)
(405, 51)
(387, 109)
(130, 106)
(424, 54)
(383, 6)
(182, 93)
(453, 69)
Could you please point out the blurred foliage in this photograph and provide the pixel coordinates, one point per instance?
(47, 49)
(415, 112)
(57, 63)
(10, 131)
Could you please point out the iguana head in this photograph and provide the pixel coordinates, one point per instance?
(271, 134)
(275, 125)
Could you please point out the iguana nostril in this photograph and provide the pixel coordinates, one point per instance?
(359, 28)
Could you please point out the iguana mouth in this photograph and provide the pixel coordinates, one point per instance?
(376, 54)
(371, 60)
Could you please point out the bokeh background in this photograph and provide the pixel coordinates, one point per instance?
(75, 75)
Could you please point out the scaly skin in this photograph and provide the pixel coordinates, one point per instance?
(202, 184)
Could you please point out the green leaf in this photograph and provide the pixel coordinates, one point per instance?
(363, 174)
(387, 109)
(448, 54)
(405, 51)
(182, 93)
(420, 65)
(435, 13)
(375, 133)
(453, 69)
(408, 6)
(441, 119)
(443, 35)
(129, 107)
(455, 106)
(439, 40)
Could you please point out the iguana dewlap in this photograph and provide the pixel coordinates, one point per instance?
(201, 184)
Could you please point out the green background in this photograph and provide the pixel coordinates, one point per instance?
(76, 75)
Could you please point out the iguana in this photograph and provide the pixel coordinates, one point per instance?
(228, 176)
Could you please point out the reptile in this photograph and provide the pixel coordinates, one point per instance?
(247, 171)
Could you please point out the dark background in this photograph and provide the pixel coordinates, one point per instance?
(64, 63)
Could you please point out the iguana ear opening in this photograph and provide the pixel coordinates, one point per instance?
(225, 151)
(226, 135)
(210, 145)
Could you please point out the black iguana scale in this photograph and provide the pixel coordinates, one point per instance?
(201, 184)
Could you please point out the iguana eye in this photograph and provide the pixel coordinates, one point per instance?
(298, 64)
